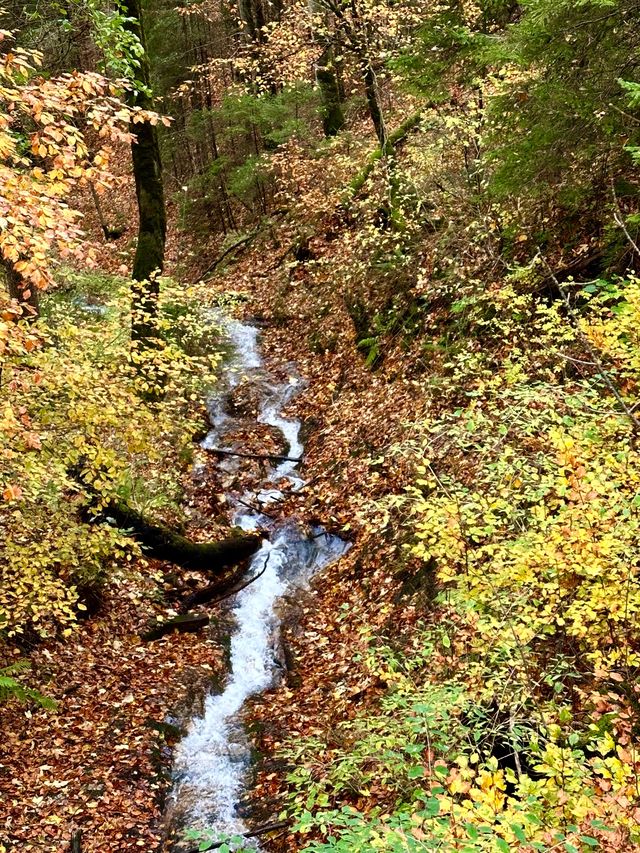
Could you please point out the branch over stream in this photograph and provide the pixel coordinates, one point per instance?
(265, 829)
(164, 543)
(272, 457)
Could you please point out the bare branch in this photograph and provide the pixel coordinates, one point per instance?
(597, 361)
(617, 216)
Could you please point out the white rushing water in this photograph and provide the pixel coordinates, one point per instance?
(212, 761)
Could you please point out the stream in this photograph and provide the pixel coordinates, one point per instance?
(212, 762)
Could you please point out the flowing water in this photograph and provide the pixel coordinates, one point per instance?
(212, 761)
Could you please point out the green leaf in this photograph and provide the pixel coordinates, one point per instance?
(518, 832)
(472, 831)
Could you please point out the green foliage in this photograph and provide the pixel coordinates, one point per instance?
(12, 689)
(210, 839)
(549, 73)
(247, 127)
(120, 47)
(525, 497)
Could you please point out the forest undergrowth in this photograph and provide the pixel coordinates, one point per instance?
(439, 227)
(465, 679)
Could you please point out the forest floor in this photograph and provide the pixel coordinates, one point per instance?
(100, 763)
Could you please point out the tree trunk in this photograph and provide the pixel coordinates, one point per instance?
(373, 100)
(147, 170)
(393, 140)
(332, 112)
(326, 73)
(165, 544)
(21, 290)
(245, 8)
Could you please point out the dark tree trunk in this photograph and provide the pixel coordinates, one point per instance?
(248, 19)
(147, 170)
(326, 73)
(21, 290)
(332, 113)
(373, 101)
(165, 544)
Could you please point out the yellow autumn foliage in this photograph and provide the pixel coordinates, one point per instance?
(76, 430)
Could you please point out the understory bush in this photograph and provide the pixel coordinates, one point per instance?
(78, 431)
(510, 715)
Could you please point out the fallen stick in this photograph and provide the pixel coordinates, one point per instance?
(253, 833)
(240, 586)
(276, 456)
(185, 623)
(260, 510)
(244, 242)
(208, 594)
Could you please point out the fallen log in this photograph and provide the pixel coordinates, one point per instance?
(164, 543)
(275, 457)
(393, 141)
(186, 623)
(265, 829)
(212, 594)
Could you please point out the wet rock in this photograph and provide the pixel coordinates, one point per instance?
(169, 731)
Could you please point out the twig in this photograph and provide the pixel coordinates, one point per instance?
(589, 347)
(576, 360)
(512, 738)
(237, 589)
(252, 833)
(237, 245)
(275, 456)
(620, 221)
(255, 508)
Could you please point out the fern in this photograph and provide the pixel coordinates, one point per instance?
(10, 688)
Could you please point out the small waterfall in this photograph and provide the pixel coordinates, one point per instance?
(212, 761)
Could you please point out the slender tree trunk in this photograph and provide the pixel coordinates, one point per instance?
(373, 101)
(147, 169)
(326, 76)
(332, 113)
(245, 8)
(21, 290)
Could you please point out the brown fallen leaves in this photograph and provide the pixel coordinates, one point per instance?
(351, 416)
(100, 762)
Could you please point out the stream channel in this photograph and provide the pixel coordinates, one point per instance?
(212, 761)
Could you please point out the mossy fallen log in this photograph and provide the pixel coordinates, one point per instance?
(394, 139)
(164, 543)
